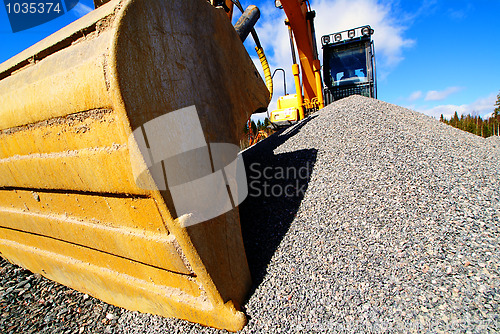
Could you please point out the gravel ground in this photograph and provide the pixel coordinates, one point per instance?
(30, 303)
(390, 223)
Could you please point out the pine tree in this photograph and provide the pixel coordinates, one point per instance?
(496, 112)
(455, 121)
(254, 128)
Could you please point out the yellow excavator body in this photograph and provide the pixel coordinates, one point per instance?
(287, 110)
(71, 208)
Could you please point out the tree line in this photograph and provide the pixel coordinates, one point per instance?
(475, 124)
(256, 127)
(254, 132)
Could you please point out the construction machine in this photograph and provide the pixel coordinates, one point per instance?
(118, 170)
(348, 66)
(309, 90)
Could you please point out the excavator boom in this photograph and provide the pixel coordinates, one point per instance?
(299, 18)
(309, 90)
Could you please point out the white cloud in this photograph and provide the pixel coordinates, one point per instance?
(461, 13)
(434, 95)
(482, 106)
(333, 16)
(415, 96)
(81, 10)
(336, 15)
(261, 116)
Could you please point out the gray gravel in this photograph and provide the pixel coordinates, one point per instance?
(30, 303)
(392, 225)
(397, 231)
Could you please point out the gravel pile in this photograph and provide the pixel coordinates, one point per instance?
(366, 217)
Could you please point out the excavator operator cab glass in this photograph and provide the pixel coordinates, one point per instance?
(348, 64)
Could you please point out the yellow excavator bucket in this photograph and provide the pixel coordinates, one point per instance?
(74, 114)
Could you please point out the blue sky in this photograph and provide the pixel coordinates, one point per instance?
(13, 43)
(432, 56)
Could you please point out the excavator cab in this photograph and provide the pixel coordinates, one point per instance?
(349, 64)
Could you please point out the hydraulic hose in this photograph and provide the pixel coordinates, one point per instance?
(266, 69)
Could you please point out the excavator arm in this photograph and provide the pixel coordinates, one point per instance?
(299, 21)
(309, 90)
